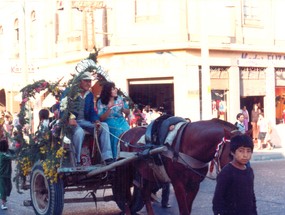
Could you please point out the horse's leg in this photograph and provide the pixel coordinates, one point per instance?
(181, 198)
(190, 196)
(146, 193)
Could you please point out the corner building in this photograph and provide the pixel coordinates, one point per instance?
(196, 58)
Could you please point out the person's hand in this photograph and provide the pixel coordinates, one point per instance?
(97, 124)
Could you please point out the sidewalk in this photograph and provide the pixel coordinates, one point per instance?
(266, 154)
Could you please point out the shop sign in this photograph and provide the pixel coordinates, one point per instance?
(261, 60)
(95, 4)
(16, 68)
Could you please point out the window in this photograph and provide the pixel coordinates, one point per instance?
(33, 16)
(33, 31)
(252, 13)
(146, 10)
(16, 28)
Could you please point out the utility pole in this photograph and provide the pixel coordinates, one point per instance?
(23, 43)
(205, 73)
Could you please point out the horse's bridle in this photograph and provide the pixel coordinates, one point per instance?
(219, 151)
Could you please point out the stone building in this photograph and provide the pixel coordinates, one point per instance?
(196, 58)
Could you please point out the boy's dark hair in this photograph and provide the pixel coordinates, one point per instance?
(241, 140)
(238, 115)
(43, 114)
(4, 146)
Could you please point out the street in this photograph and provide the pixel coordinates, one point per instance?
(269, 190)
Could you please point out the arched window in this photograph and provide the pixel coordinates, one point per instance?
(16, 28)
(33, 16)
(33, 32)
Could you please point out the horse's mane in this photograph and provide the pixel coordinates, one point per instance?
(224, 123)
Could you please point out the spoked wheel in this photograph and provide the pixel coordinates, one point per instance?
(47, 198)
(125, 191)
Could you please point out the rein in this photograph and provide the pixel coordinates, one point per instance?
(216, 160)
(127, 144)
(119, 139)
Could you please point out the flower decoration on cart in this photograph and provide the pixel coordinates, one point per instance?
(47, 145)
(40, 145)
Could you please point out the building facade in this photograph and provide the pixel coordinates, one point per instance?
(198, 59)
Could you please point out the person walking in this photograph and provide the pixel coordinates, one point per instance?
(113, 110)
(254, 118)
(165, 191)
(5, 173)
(245, 113)
(234, 193)
(239, 123)
(263, 126)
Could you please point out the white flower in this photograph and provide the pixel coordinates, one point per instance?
(63, 104)
(66, 140)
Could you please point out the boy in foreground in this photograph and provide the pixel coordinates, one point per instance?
(234, 193)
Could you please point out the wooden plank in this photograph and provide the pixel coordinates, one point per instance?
(132, 157)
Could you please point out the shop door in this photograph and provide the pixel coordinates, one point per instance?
(157, 93)
(219, 88)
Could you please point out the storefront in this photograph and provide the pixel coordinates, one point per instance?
(236, 79)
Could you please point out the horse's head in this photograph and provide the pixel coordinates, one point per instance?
(225, 154)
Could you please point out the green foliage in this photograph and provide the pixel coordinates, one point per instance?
(46, 145)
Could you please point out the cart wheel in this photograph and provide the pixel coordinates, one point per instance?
(47, 198)
(124, 191)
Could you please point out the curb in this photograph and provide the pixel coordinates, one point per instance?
(268, 155)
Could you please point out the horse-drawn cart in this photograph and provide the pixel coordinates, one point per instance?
(48, 197)
(48, 157)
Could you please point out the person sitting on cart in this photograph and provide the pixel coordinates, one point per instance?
(88, 119)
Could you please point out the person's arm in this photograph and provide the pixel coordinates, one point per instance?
(254, 212)
(105, 115)
(125, 108)
(89, 109)
(103, 111)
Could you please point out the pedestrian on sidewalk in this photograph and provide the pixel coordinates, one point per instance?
(254, 119)
(245, 113)
(264, 132)
(239, 123)
(234, 192)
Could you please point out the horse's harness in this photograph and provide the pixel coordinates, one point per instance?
(195, 164)
(218, 154)
(174, 154)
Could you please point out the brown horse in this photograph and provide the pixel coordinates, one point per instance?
(186, 159)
